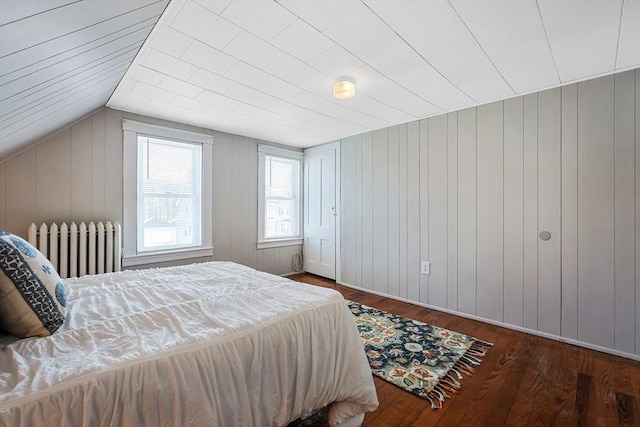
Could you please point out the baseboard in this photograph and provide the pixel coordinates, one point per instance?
(501, 324)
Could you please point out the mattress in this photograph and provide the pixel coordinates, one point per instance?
(213, 344)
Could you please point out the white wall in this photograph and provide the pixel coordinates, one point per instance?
(76, 175)
(470, 191)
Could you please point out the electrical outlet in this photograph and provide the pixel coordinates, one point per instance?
(425, 267)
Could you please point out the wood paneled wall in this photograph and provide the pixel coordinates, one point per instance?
(470, 191)
(76, 175)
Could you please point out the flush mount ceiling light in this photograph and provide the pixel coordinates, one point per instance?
(344, 89)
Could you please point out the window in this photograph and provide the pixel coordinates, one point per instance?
(279, 201)
(167, 189)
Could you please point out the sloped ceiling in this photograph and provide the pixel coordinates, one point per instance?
(62, 59)
(265, 68)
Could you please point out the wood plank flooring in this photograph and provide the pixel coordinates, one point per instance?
(524, 380)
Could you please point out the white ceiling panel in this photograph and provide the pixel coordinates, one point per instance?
(265, 19)
(629, 40)
(290, 69)
(253, 50)
(176, 86)
(146, 75)
(524, 58)
(208, 58)
(583, 35)
(216, 6)
(172, 42)
(152, 92)
(436, 32)
(202, 24)
(249, 75)
(321, 14)
(166, 64)
(417, 75)
(377, 86)
(265, 68)
(302, 41)
(211, 81)
(336, 62)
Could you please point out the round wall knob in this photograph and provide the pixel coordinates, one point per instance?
(544, 235)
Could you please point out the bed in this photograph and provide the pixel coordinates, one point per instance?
(212, 344)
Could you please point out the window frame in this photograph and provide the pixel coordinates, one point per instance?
(131, 256)
(264, 242)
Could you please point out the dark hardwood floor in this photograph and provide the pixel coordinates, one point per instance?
(524, 380)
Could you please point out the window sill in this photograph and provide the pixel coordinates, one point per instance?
(277, 243)
(155, 257)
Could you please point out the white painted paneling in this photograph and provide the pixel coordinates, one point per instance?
(549, 213)
(452, 211)
(14, 10)
(423, 155)
(20, 187)
(467, 205)
(80, 170)
(530, 267)
(380, 208)
(368, 230)
(3, 194)
(359, 211)
(596, 232)
(637, 223)
(235, 199)
(513, 211)
(76, 174)
(490, 211)
(624, 211)
(403, 203)
(394, 210)
(437, 219)
(413, 211)
(570, 211)
(68, 67)
(52, 196)
(98, 165)
(542, 162)
(349, 206)
(113, 159)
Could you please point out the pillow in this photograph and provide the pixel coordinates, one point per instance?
(32, 296)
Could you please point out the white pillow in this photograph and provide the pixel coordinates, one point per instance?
(32, 296)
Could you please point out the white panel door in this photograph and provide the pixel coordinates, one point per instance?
(320, 210)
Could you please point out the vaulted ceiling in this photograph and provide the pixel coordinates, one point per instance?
(265, 68)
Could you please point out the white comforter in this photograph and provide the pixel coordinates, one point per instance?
(215, 344)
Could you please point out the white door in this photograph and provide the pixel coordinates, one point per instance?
(321, 178)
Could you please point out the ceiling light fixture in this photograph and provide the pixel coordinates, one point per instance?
(344, 89)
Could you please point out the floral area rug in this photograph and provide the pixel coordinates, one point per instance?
(420, 358)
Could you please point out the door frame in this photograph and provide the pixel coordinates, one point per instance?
(316, 149)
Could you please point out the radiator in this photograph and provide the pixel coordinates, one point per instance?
(78, 250)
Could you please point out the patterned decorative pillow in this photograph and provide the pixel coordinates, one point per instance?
(32, 296)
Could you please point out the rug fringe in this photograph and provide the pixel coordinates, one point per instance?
(466, 364)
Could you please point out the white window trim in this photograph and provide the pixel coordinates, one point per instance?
(131, 257)
(289, 154)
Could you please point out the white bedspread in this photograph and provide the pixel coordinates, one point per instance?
(215, 344)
